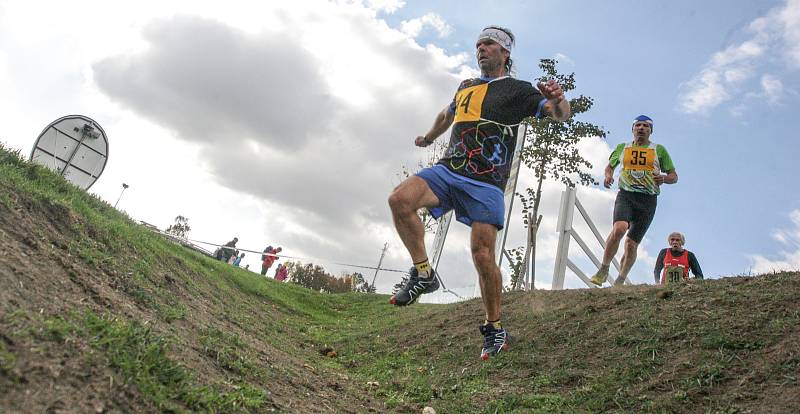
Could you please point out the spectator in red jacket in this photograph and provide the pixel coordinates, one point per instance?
(269, 259)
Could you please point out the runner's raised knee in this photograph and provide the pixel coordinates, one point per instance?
(400, 200)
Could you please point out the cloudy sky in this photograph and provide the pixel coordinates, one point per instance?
(289, 124)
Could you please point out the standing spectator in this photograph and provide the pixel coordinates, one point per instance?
(228, 250)
(238, 260)
(265, 259)
(268, 249)
(281, 273)
(269, 259)
(233, 257)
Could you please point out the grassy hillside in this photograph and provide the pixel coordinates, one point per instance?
(97, 314)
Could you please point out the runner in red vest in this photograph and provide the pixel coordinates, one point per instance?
(675, 262)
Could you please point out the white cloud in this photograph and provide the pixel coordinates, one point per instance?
(739, 53)
(564, 59)
(772, 88)
(789, 24)
(728, 72)
(414, 27)
(388, 6)
(314, 132)
(707, 91)
(736, 75)
(789, 258)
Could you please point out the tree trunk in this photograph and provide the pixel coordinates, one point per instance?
(533, 228)
(534, 231)
(522, 271)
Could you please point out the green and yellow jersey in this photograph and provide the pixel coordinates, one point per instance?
(639, 164)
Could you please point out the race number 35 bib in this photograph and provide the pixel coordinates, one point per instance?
(639, 159)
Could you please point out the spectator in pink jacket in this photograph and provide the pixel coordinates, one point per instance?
(281, 273)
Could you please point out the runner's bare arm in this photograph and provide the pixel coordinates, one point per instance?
(670, 178)
(609, 179)
(443, 121)
(557, 105)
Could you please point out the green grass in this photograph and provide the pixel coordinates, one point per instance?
(7, 359)
(228, 350)
(142, 356)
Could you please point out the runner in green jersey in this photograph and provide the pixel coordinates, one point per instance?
(640, 180)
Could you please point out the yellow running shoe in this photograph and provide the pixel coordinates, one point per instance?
(600, 277)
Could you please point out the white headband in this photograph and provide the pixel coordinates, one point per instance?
(502, 38)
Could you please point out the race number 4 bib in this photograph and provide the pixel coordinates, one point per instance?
(469, 102)
(639, 159)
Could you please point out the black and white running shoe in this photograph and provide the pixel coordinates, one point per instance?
(494, 340)
(414, 288)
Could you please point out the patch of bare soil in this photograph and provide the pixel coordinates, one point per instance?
(46, 370)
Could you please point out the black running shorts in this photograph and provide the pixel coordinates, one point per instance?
(637, 209)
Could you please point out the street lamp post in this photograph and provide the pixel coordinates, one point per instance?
(124, 187)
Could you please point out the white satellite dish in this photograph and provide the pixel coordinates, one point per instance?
(74, 146)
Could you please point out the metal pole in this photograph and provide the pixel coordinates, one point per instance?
(85, 131)
(385, 246)
(124, 187)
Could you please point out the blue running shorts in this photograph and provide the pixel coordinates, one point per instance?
(472, 200)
